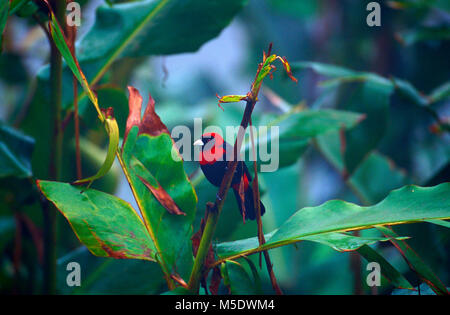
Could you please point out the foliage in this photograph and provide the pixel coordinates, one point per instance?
(360, 150)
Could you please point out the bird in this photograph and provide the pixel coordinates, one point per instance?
(213, 163)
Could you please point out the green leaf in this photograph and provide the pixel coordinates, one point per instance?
(113, 132)
(4, 8)
(440, 93)
(107, 225)
(15, 152)
(237, 279)
(408, 91)
(174, 26)
(406, 205)
(369, 94)
(440, 222)
(99, 275)
(178, 291)
(414, 260)
(170, 233)
(297, 128)
(387, 270)
(7, 227)
(436, 33)
(340, 242)
(376, 177)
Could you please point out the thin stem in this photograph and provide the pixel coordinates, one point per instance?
(256, 200)
(214, 210)
(49, 213)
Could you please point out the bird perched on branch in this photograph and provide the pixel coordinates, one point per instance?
(214, 165)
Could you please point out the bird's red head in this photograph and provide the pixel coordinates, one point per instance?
(212, 148)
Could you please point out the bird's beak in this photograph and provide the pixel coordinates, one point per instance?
(198, 142)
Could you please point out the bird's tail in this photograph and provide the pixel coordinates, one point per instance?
(250, 209)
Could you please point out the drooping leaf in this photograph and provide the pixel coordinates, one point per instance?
(415, 261)
(387, 270)
(107, 225)
(113, 132)
(63, 46)
(15, 152)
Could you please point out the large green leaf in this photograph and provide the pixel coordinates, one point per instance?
(170, 232)
(405, 205)
(15, 152)
(376, 177)
(369, 94)
(107, 225)
(341, 242)
(153, 27)
(297, 128)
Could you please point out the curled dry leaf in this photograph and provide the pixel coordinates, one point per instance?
(150, 123)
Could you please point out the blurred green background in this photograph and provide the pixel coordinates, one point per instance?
(408, 142)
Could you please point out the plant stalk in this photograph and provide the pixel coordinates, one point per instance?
(49, 213)
(215, 209)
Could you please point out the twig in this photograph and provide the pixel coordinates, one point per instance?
(213, 210)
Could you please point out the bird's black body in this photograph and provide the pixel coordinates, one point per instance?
(214, 166)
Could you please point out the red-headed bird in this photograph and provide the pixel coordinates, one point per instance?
(214, 165)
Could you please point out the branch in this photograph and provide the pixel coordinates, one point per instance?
(261, 238)
(213, 210)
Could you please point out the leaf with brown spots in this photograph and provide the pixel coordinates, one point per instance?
(152, 184)
(101, 221)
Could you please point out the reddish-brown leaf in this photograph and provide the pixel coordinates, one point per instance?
(215, 281)
(163, 197)
(134, 111)
(151, 123)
